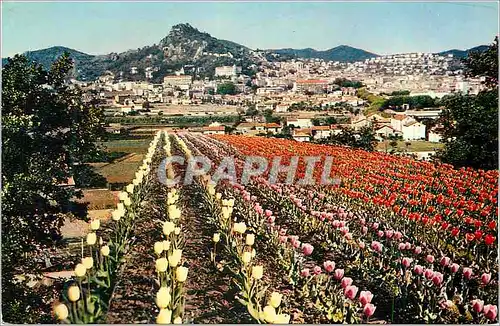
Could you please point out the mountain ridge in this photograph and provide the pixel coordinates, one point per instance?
(186, 45)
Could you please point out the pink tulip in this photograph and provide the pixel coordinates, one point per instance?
(437, 279)
(364, 229)
(270, 219)
(351, 291)
(305, 272)
(454, 267)
(361, 245)
(485, 278)
(339, 273)
(477, 305)
(254, 198)
(467, 272)
(346, 281)
(397, 235)
(380, 234)
(490, 311)
(335, 223)
(344, 230)
(282, 239)
(406, 262)
(329, 266)
(375, 225)
(362, 221)
(317, 270)
(348, 236)
(377, 246)
(369, 310)
(430, 258)
(401, 246)
(407, 246)
(418, 250)
(307, 249)
(365, 297)
(296, 244)
(268, 213)
(389, 234)
(418, 269)
(428, 274)
(445, 261)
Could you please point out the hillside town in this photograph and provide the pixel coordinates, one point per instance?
(296, 92)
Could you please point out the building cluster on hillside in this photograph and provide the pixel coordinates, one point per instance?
(294, 86)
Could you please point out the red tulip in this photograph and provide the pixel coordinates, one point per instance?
(339, 274)
(485, 278)
(346, 281)
(329, 266)
(365, 297)
(489, 239)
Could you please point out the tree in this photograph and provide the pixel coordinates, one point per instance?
(227, 88)
(470, 122)
(46, 132)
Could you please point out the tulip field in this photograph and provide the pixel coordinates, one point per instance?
(393, 240)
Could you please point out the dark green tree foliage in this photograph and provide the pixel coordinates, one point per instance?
(46, 128)
(470, 123)
(417, 102)
(227, 88)
(362, 139)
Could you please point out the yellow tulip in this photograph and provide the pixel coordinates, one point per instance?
(177, 231)
(120, 207)
(250, 240)
(216, 237)
(164, 316)
(178, 320)
(158, 247)
(211, 190)
(226, 212)
(80, 270)
(257, 272)
(105, 251)
(246, 257)
(230, 202)
(91, 239)
(275, 300)
(61, 311)
(130, 188)
(127, 201)
(73, 293)
(269, 314)
(175, 258)
(122, 195)
(282, 319)
(161, 264)
(254, 253)
(218, 196)
(239, 227)
(224, 202)
(116, 215)
(94, 225)
(174, 212)
(181, 273)
(163, 297)
(168, 227)
(88, 262)
(166, 245)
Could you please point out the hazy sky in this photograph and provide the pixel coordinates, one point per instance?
(379, 27)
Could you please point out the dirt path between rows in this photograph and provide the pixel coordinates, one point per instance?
(134, 294)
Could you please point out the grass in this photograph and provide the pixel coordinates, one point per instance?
(98, 199)
(415, 146)
(137, 146)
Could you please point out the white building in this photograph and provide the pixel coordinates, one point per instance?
(227, 71)
(413, 131)
(299, 122)
(182, 81)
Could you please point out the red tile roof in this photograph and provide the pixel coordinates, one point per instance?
(311, 81)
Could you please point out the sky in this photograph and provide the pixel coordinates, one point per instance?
(378, 27)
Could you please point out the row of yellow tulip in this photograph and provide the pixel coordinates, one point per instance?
(170, 297)
(89, 292)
